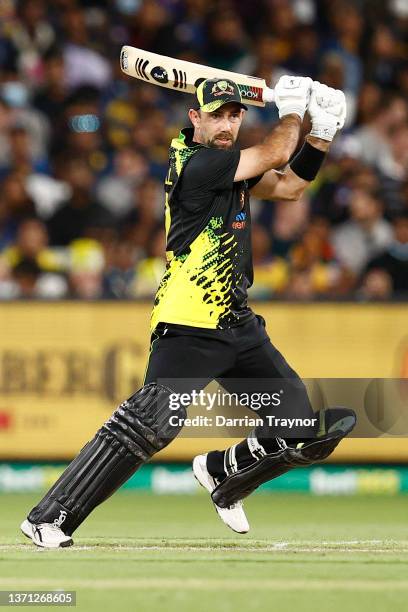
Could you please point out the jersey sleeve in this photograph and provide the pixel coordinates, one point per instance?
(253, 181)
(211, 170)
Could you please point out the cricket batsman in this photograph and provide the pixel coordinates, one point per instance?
(201, 324)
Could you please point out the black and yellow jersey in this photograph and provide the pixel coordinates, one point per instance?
(208, 233)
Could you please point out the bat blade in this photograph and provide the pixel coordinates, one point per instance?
(180, 75)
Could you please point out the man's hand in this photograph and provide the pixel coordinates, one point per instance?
(327, 110)
(292, 95)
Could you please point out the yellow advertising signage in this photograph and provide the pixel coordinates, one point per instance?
(65, 366)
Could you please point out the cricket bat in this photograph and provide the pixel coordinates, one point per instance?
(184, 76)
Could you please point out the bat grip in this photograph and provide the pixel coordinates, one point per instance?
(268, 95)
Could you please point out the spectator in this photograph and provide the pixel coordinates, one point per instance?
(304, 58)
(227, 41)
(32, 244)
(385, 56)
(341, 172)
(116, 191)
(81, 215)
(369, 103)
(271, 273)
(139, 224)
(120, 273)
(365, 235)
(377, 285)
(8, 287)
(32, 36)
(15, 112)
(21, 155)
(313, 262)
(374, 137)
(83, 65)
(290, 222)
(333, 73)
(30, 257)
(15, 200)
(86, 269)
(150, 270)
(151, 27)
(263, 61)
(51, 97)
(26, 275)
(347, 28)
(387, 274)
(30, 282)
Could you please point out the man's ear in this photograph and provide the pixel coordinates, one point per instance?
(194, 117)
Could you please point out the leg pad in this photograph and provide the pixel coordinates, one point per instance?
(137, 430)
(334, 424)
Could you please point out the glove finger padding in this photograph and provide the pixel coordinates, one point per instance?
(292, 95)
(334, 425)
(327, 110)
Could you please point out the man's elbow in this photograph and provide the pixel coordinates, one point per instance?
(280, 160)
(284, 156)
(273, 159)
(292, 195)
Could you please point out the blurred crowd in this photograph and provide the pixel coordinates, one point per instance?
(83, 148)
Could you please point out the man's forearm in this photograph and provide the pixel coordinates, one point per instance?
(282, 141)
(291, 184)
(274, 152)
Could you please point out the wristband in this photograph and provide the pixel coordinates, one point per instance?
(306, 164)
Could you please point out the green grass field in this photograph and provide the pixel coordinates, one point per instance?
(172, 553)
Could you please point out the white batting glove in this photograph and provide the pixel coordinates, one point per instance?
(327, 110)
(292, 95)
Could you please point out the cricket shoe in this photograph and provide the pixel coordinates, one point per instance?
(233, 516)
(46, 535)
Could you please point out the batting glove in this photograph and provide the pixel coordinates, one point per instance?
(327, 110)
(292, 95)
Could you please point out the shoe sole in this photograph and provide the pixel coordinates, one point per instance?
(62, 545)
(197, 461)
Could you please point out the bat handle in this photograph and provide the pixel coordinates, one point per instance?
(268, 95)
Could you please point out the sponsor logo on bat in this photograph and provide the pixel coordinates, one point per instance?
(124, 60)
(251, 94)
(160, 74)
(221, 88)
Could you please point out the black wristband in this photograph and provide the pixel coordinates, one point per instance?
(306, 164)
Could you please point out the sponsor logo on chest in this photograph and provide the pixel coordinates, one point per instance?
(240, 221)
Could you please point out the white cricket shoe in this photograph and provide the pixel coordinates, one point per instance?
(46, 535)
(233, 516)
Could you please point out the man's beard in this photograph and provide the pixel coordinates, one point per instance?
(215, 143)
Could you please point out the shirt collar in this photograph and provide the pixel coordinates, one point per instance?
(186, 137)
